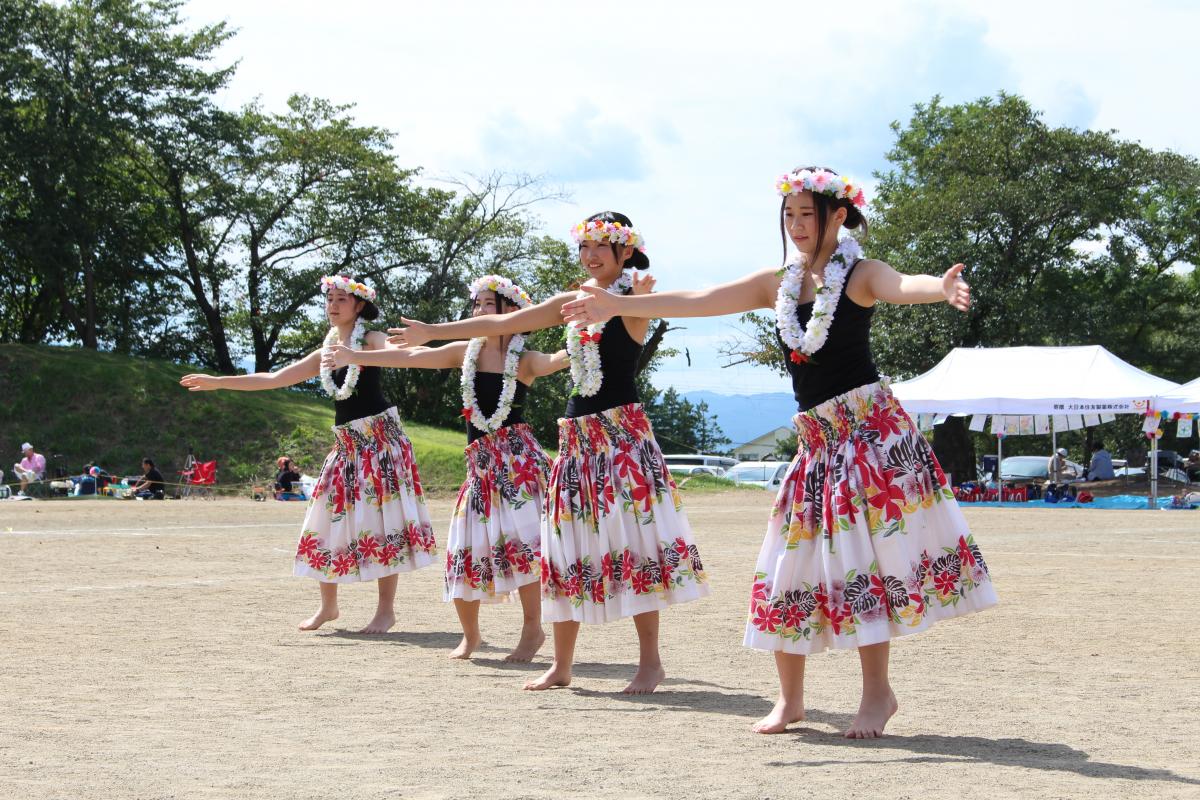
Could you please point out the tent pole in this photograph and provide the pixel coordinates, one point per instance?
(999, 470)
(1154, 472)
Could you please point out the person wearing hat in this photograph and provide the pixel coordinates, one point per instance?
(1056, 466)
(30, 468)
(367, 520)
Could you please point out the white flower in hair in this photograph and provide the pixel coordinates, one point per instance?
(804, 341)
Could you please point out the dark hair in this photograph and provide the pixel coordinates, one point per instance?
(1098, 446)
(638, 260)
(148, 460)
(825, 206)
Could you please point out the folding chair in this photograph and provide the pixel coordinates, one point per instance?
(198, 478)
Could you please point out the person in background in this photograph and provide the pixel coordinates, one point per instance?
(150, 487)
(1056, 466)
(285, 479)
(1101, 466)
(30, 468)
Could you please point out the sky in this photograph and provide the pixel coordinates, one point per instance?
(681, 115)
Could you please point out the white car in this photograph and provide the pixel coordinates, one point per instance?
(765, 474)
(698, 464)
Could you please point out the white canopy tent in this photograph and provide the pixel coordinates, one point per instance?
(1184, 399)
(1033, 380)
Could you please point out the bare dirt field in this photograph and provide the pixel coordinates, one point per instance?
(149, 650)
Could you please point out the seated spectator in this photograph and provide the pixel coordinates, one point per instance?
(1101, 467)
(150, 487)
(30, 468)
(285, 480)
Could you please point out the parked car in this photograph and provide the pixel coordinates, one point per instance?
(765, 474)
(698, 464)
(1033, 469)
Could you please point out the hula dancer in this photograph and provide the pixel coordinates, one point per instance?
(615, 540)
(865, 542)
(367, 519)
(494, 545)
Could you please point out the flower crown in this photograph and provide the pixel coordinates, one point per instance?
(822, 181)
(501, 286)
(613, 232)
(347, 285)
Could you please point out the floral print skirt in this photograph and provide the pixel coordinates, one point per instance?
(615, 539)
(367, 518)
(865, 540)
(494, 546)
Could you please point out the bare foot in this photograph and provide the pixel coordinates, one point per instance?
(645, 681)
(782, 715)
(532, 639)
(382, 623)
(466, 647)
(318, 619)
(873, 714)
(550, 678)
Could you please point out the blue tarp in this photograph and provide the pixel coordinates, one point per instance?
(1117, 501)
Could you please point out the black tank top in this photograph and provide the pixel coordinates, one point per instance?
(367, 400)
(618, 363)
(844, 362)
(487, 395)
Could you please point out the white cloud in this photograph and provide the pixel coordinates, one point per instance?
(681, 115)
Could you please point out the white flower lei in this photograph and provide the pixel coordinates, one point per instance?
(508, 389)
(585, 357)
(806, 341)
(352, 372)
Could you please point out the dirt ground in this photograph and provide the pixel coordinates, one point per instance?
(149, 650)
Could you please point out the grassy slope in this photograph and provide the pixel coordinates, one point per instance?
(115, 409)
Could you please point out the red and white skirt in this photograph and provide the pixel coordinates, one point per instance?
(865, 541)
(615, 539)
(494, 545)
(367, 518)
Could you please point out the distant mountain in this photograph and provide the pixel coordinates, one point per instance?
(747, 416)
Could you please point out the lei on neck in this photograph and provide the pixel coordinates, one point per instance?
(804, 341)
(583, 346)
(512, 359)
(352, 371)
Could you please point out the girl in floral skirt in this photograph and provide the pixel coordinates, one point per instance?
(865, 542)
(615, 540)
(494, 545)
(367, 519)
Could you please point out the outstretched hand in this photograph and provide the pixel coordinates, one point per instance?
(199, 382)
(958, 293)
(417, 333)
(335, 357)
(643, 283)
(591, 305)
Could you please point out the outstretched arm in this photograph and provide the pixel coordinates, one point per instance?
(445, 357)
(756, 290)
(545, 314)
(886, 284)
(538, 365)
(305, 369)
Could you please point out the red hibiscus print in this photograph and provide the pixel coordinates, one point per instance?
(885, 499)
(598, 592)
(964, 552)
(944, 582)
(368, 548)
(388, 554)
(526, 473)
(794, 616)
(628, 565)
(767, 618)
(681, 547)
(343, 563)
(641, 582)
(606, 566)
(642, 492)
(318, 560)
(307, 546)
(883, 419)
